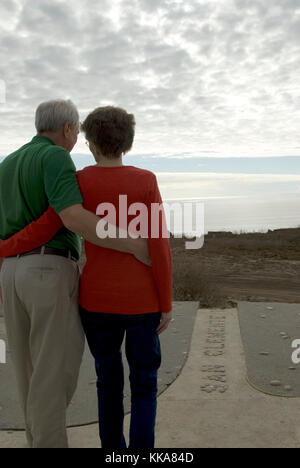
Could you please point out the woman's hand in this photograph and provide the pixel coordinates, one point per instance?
(164, 323)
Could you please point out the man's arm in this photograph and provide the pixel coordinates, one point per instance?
(84, 223)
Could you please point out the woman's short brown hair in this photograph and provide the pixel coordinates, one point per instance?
(111, 129)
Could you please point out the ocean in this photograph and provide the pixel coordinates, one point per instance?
(242, 214)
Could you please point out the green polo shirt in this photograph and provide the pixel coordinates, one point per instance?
(35, 176)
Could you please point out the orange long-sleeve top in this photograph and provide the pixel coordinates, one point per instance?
(113, 281)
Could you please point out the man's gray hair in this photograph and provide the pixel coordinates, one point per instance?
(51, 116)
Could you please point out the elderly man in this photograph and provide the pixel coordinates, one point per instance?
(40, 287)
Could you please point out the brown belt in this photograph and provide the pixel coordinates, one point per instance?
(49, 251)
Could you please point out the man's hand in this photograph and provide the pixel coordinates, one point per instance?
(164, 323)
(141, 251)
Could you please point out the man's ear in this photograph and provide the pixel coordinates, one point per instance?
(66, 129)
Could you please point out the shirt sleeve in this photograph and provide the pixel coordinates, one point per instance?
(159, 247)
(33, 235)
(60, 180)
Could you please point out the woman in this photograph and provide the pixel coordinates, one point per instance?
(119, 294)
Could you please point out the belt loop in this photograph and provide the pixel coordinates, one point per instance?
(18, 256)
(69, 254)
(43, 250)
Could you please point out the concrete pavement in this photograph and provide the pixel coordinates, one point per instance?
(210, 404)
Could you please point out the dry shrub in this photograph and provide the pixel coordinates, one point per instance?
(192, 283)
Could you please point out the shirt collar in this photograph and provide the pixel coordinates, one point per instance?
(42, 139)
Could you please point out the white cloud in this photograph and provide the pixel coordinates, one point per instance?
(217, 75)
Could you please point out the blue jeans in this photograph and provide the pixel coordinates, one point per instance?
(105, 333)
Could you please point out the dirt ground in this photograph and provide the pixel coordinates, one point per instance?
(250, 267)
(247, 278)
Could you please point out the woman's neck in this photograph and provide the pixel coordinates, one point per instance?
(106, 162)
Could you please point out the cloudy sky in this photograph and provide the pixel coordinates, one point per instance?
(204, 78)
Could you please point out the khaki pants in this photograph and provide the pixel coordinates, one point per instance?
(46, 341)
